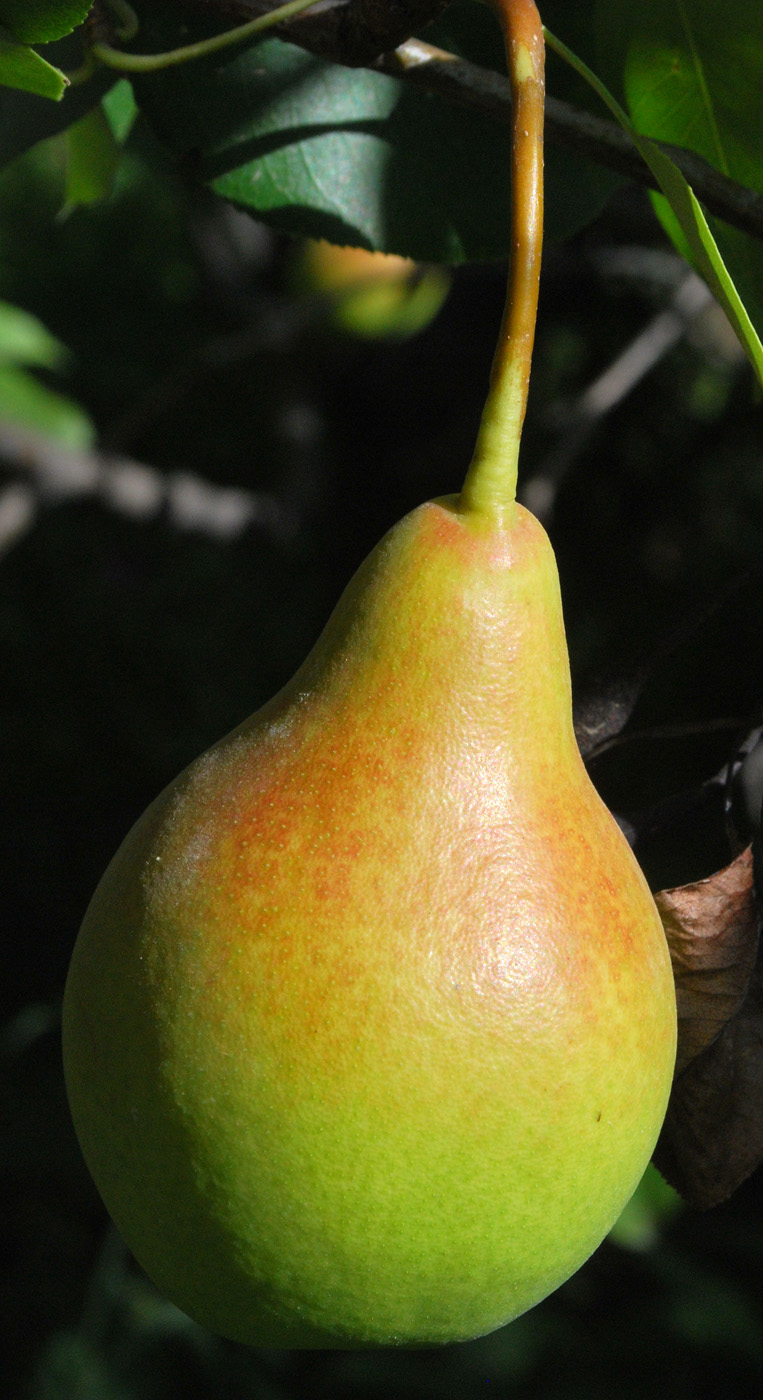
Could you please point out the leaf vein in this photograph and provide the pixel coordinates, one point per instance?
(699, 71)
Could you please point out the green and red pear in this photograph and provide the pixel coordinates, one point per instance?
(370, 1027)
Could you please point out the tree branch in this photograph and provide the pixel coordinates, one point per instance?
(349, 32)
(601, 140)
(50, 472)
(376, 34)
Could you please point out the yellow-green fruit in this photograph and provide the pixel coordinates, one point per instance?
(376, 296)
(370, 1027)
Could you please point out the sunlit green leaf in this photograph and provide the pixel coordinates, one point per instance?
(121, 109)
(22, 67)
(689, 216)
(696, 80)
(705, 254)
(26, 119)
(25, 341)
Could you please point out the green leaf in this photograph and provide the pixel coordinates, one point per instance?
(24, 399)
(696, 80)
(653, 1203)
(335, 153)
(21, 67)
(695, 77)
(689, 216)
(121, 109)
(93, 155)
(72, 1367)
(26, 119)
(351, 155)
(705, 254)
(42, 21)
(25, 341)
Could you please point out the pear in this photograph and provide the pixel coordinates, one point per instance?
(370, 1027)
(375, 296)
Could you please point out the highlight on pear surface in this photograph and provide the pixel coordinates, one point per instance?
(370, 1026)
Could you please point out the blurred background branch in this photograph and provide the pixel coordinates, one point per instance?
(55, 473)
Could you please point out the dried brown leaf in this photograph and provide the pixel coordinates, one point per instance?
(712, 932)
(712, 1137)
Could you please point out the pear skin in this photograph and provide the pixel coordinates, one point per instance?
(370, 1027)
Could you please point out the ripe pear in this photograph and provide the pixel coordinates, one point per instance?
(370, 1026)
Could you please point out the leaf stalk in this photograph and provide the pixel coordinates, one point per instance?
(155, 62)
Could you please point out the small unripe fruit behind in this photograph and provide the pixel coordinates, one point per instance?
(375, 296)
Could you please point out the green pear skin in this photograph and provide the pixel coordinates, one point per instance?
(370, 1027)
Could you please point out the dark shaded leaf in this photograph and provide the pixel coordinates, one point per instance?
(744, 788)
(603, 712)
(662, 742)
(351, 155)
(689, 679)
(712, 1137)
(92, 160)
(712, 932)
(41, 21)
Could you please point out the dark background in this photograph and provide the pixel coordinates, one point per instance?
(129, 643)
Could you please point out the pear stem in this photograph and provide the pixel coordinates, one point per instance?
(491, 482)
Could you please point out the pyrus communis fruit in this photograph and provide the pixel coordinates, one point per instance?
(372, 295)
(370, 1026)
